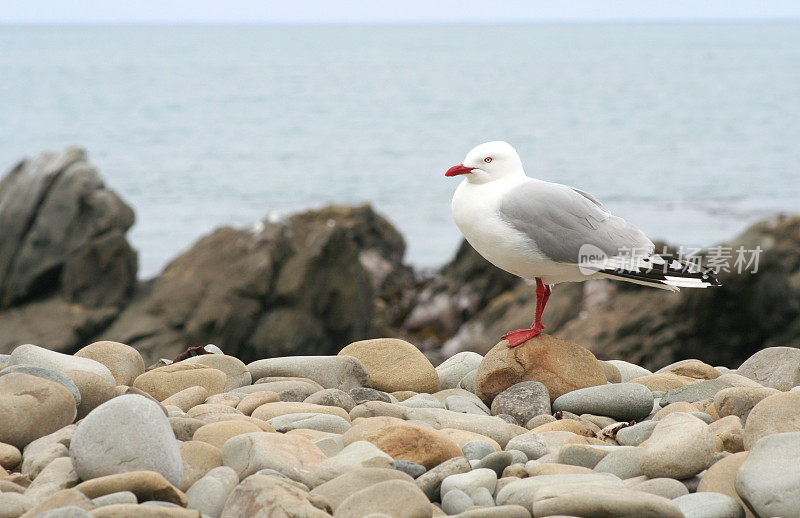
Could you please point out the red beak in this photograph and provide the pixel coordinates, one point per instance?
(457, 170)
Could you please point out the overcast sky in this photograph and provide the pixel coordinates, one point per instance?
(396, 11)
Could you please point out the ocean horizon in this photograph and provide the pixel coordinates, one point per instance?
(688, 130)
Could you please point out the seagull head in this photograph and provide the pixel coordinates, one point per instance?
(487, 162)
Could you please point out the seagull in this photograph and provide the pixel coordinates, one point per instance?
(550, 233)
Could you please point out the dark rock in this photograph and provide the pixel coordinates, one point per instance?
(497, 461)
(65, 264)
(363, 394)
(411, 468)
(524, 401)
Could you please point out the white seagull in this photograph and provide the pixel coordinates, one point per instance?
(551, 233)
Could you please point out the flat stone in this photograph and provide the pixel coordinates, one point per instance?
(664, 487)
(271, 410)
(721, 477)
(127, 433)
(392, 497)
(468, 381)
(165, 381)
(599, 500)
(394, 364)
(330, 446)
(295, 457)
(58, 501)
(55, 476)
(664, 381)
(524, 401)
(341, 372)
(184, 427)
(123, 361)
(452, 370)
(311, 421)
(340, 488)
(144, 510)
(289, 390)
(36, 459)
(29, 354)
(773, 414)
(769, 478)
(363, 394)
(146, 485)
(692, 368)
(709, 505)
(728, 434)
(559, 365)
(430, 482)
(403, 440)
(48, 374)
(332, 397)
(423, 401)
(696, 391)
(636, 434)
(775, 367)
(465, 405)
(623, 401)
(680, 446)
(208, 494)
(497, 461)
(500, 511)
(187, 398)
(122, 497)
(250, 402)
(585, 455)
(522, 492)
(489, 426)
(32, 407)
(462, 437)
(235, 370)
(262, 495)
(628, 371)
(531, 444)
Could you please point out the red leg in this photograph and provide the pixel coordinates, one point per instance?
(522, 335)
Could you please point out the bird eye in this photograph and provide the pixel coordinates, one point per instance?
(487, 159)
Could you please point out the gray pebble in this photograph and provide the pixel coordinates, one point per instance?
(482, 497)
(497, 461)
(508, 418)
(468, 381)
(539, 420)
(517, 457)
(411, 468)
(532, 445)
(622, 401)
(477, 449)
(65, 512)
(636, 434)
(363, 394)
(456, 501)
(120, 497)
(524, 401)
(466, 405)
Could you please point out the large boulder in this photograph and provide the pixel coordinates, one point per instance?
(299, 286)
(65, 264)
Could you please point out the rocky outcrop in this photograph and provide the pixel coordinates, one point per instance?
(66, 267)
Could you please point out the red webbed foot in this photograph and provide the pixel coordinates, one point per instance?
(521, 335)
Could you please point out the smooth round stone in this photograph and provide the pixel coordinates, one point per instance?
(235, 370)
(124, 362)
(413, 469)
(589, 500)
(127, 433)
(456, 501)
(680, 446)
(69, 511)
(696, 391)
(477, 449)
(332, 397)
(452, 370)
(623, 401)
(739, 401)
(26, 418)
(469, 482)
(623, 461)
(540, 420)
(310, 421)
(48, 374)
(208, 494)
(769, 478)
(29, 354)
(586, 455)
(468, 381)
(531, 444)
(394, 364)
(524, 401)
(10, 456)
(636, 434)
(330, 445)
(393, 498)
(497, 461)
(94, 391)
(165, 381)
(217, 434)
(296, 457)
(709, 505)
(466, 405)
(628, 371)
(773, 414)
(120, 497)
(422, 401)
(288, 390)
(363, 394)
(522, 492)
(198, 459)
(431, 481)
(775, 367)
(213, 349)
(339, 489)
(341, 372)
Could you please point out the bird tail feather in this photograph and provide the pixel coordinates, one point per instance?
(663, 271)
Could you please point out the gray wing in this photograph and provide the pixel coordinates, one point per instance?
(559, 220)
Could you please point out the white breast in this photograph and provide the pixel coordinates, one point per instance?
(475, 211)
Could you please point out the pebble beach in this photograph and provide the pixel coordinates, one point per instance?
(543, 429)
